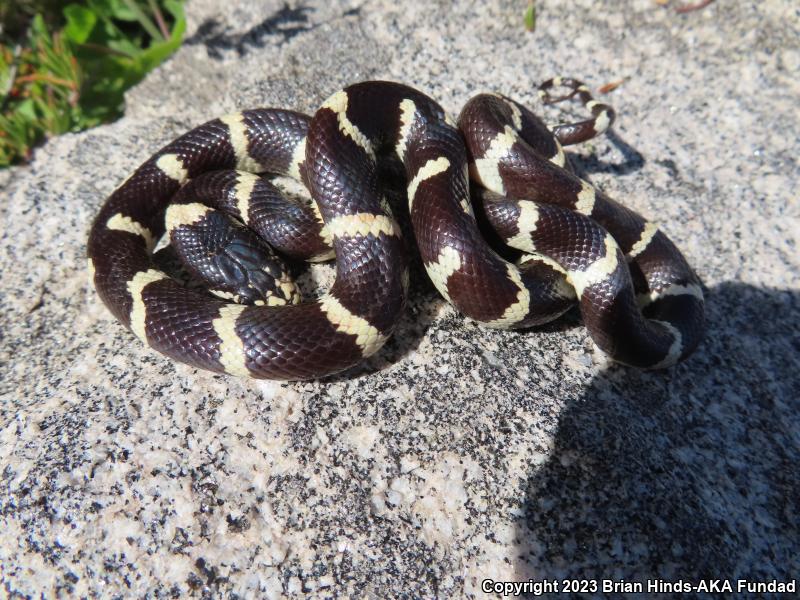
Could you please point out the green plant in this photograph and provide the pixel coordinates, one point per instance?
(530, 16)
(76, 77)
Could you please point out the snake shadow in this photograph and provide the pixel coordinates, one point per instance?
(586, 165)
(280, 27)
(283, 25)
(684, 475)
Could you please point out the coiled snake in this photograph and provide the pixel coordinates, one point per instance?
(640, 300)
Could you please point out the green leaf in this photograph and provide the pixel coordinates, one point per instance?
(80, 22)
(158, 52)
(39, 29)
(112, 9)
(175, 8)
(530, 16)
(27, 109)
(124, 45)
(145, 21)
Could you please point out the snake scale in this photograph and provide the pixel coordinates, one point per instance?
(640, 301)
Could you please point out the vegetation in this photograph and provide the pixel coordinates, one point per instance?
(530, 16)
(68, 70)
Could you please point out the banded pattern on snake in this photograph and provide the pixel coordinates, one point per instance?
(640, 300)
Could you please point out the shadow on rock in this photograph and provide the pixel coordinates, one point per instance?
(687, 474)
(633, 161)
(285, 23)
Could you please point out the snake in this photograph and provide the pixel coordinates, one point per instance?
(497, 172)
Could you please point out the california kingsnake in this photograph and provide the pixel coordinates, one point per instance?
(578, 242)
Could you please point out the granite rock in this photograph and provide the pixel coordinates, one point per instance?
(457, 453)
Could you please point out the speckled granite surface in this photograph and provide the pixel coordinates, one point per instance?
(458, 453)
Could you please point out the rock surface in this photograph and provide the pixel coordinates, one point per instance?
(458, 453)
